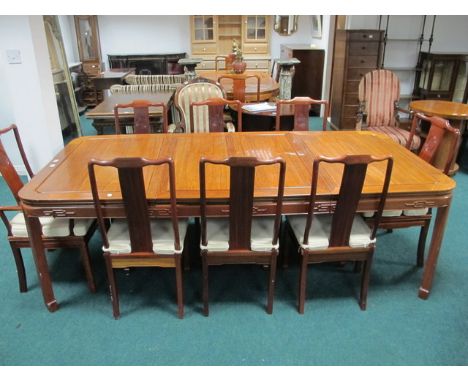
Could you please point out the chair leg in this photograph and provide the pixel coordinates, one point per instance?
(114, 294)
(23, 286)
(86, 260)
(272, 281)
(422, 244)
(302, 282)
(179, 287)
(205, 284)
(365, 282)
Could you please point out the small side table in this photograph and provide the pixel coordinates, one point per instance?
(455, 112)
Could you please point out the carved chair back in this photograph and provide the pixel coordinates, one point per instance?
(299, 107)
(354, 173)
(239, 85)
(241, 198)
(141, 117)
(132, 187)
(7, 169)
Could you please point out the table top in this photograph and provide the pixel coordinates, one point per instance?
(65, 179)
(106, 108)
(268, 86)
(114, 73)
(444, 109)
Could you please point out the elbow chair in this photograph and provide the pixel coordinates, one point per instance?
(341, 235)
(379, 94)
(241, 238)
(56, 232)
(430, 152)
(139, 240)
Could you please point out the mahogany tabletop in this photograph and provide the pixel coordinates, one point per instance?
(105, 109)
(65, 178)
(268, 86)
(444, 109)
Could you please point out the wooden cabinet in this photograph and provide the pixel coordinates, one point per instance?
(356, 53)
(89, 48)
(308, 75)
(213, 35)
(442, 76)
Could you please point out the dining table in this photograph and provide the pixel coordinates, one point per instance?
(62, 189)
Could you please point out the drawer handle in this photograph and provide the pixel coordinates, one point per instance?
(363, 47)
(364, 36)
(362, 61)
(204, 49)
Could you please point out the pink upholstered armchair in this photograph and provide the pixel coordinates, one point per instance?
(379, 94)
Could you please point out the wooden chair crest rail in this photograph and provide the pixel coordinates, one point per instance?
(342, 235)
(213, 110)
(240, 239)
(139, 240)
(238, 85)
(55, 232)
(431, 152)
(141, 119)
(299, 107)
(379, 94)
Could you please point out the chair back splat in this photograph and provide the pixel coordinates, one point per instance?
(299, 107)
(141, 116)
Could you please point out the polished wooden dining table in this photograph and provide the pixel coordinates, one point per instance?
(61, 188)
(268, 86)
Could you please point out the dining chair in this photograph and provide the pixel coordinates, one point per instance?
(225, 60)
(239, 84)
(140, 239)
(379, 94)
(209, 114)
(241, 238)
(341, 235)
(440, 133)
(141, 119)
(57, 233)
(198, 89)
(299, 108)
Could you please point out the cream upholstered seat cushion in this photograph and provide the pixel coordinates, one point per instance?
(320, 232)
(394, 213)
(51, 227)
(161, 232)
(217, 231)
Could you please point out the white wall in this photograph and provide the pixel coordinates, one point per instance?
(27, 90)
(143, 34)
(67, 27)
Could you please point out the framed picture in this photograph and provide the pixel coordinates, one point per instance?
(317, 26)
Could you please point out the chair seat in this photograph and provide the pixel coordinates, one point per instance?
(394, 213)
(161, 232)
(320, 232)
(217, 231)
(400, 136)
(51, 227)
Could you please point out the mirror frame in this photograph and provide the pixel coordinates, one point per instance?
(292, 24)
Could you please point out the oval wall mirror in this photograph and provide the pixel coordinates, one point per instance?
(285, 25)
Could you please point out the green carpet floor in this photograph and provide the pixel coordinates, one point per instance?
(397, 329)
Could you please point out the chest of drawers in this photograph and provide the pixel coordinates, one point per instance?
(356, 52)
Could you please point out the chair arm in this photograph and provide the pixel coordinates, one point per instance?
(5, 218)
(175, 128)
(10, 208)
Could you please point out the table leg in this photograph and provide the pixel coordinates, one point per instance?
(436, 242)
(38, 250)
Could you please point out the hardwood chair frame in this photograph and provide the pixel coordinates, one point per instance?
(141, 117)
(239, 83)
(216, 108)
(241, 209)
(130, 172)
(15, 183)
(300, 107)
(439, 127)
(339, 249)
